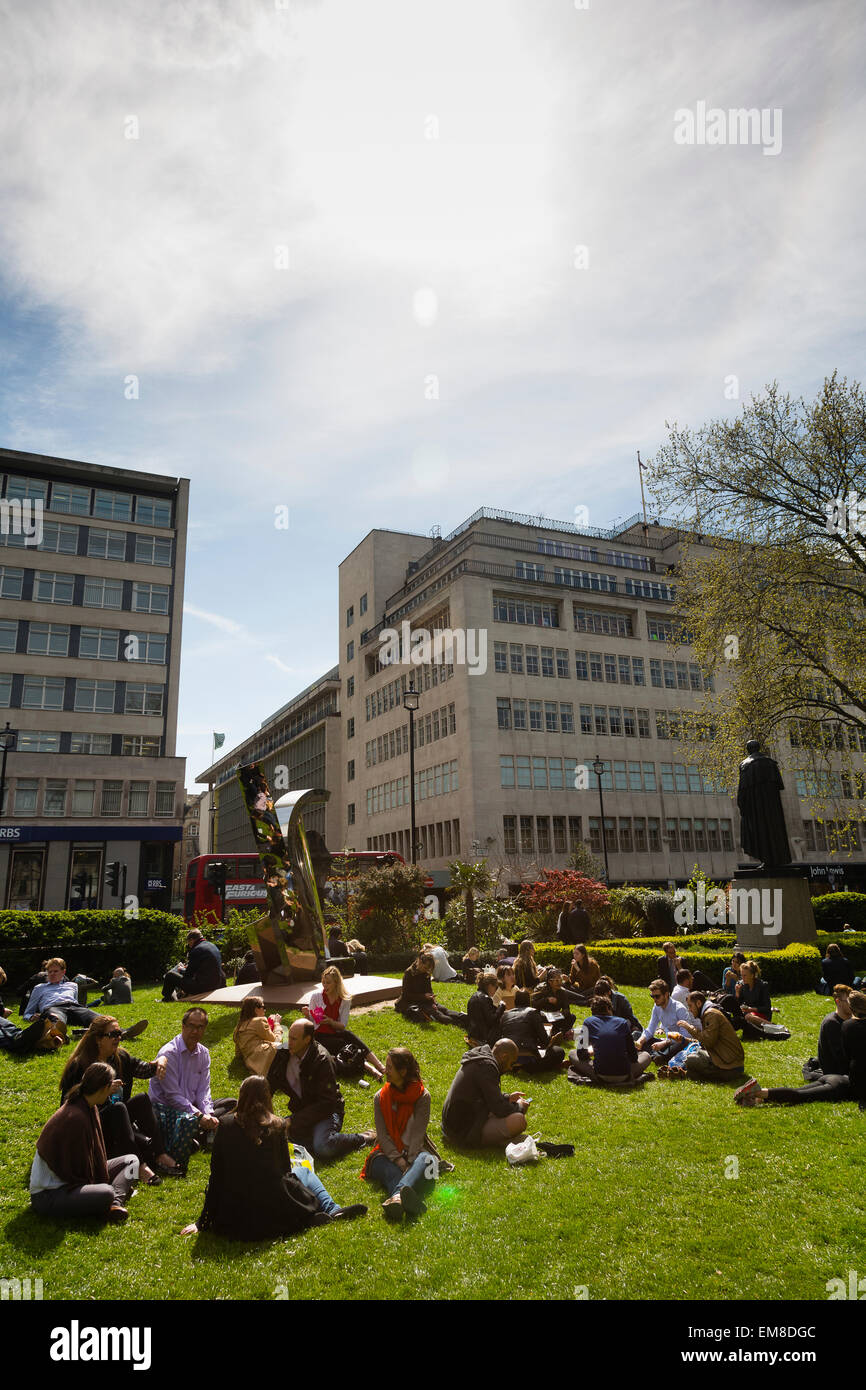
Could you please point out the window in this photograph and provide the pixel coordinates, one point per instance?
(362, 606)
(629, 723)
(106, 545)
(350, 616)
(500, 657)
(100, 643)
(350, 728)
(566, 717)
(97, 696)
(595, 834)
(667, 770)
(503, 713)
(695, 681)
(700, 835)
(532, 661)
(139, 746)
(48, 639)
(138, 798)
(11, 582)
(615, 715)
(70, 499)
(350, 813)
(581, 669)
(90, 743)
(695, 781)
(685, 834)
(547, 666)
(24, 802)
(542, 828)
(620, 782)
(654, 834)
(516, 657)
(661, 723)
(49, 587)
(600, 712)
(551, 717)
(62, 540)
(682, 675)
(33, 488)
(527, 837)
(111, 798)
(148, 646)
(713, 841)
(727, 836)
(523, 772)
(165, 801)
(112, 506)
(671, 834)
(518, 708)
(634, 778)
(82, 798)
(102, 593)
(624, 835)
(649, 777)
(8, 635)
(150, 598)
(350, 651)
(670, 675)
(660, 629)
(624, 671)
(153, 550)
(350, 770)
(560, 842)
(637, 670)
(655, 673)
(639, 826)
(586, 719)
(510, 610)
(509, 834)
(506, 771)
(43, 692)
(350, 687)
(555, 769)
(610, 668)
(526, 570)
(535, 724)
(562, 663)
(54, 801)
(37, 741)
(680, 777)
(608, 622)
(595, 667)
(152, 511)
(643, 723)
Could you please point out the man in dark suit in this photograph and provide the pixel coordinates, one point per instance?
(668, 965)
(575, 924)
(202, 973)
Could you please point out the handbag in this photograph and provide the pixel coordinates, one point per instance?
(523, 1151)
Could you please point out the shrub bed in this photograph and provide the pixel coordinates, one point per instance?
(796, 967)
(833, 910)
(92, 942)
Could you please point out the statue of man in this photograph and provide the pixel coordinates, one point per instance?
(762, 820)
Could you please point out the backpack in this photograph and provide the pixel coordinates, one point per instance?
(349, 1061)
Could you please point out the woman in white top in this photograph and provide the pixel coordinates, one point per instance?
(329, 1010)
(443, 972)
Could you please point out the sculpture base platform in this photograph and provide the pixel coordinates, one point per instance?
(364, 989)
(780, 913)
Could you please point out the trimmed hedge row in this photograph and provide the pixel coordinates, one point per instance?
(92, 942)
(833, 910)
(795, 968)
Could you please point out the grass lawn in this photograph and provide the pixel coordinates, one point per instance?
(643, 1209)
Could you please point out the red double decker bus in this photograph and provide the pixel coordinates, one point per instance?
(245, 883)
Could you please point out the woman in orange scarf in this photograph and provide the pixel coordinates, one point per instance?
(403, 1160)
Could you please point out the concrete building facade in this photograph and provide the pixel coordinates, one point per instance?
(91, 595)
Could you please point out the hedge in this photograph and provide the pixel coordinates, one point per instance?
(92, 943)
(793, 969)
(833, 910)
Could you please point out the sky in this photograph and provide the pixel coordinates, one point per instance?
(386, 263)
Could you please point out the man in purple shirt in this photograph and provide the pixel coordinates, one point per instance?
(182, 1098)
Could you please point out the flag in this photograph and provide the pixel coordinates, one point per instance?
(218, 741)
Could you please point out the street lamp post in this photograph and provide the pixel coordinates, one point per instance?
(410, 704)
(7, 742)
(598, 769)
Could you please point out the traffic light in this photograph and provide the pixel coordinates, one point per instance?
(112, 876)
(215, 873)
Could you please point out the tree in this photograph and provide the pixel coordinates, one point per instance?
(546, 895)
(586, 863)
(386, 900)
(771, 589)
(469, 879)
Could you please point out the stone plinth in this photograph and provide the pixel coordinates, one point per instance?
(364, 989)
(779, 914)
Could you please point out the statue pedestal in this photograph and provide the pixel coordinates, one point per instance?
(768, 910)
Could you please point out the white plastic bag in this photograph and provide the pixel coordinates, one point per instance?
(523, 1150)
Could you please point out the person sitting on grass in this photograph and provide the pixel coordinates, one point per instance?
(732, 973)
(619, 1003)
(329, 1009)
(71, 1175)
(57, 998)
(506, 988)
(484, 1015)
(417, 1000)
(753, 997)
(683, 987)
(615, 1059)
(305, 1072)
(721, 1053)
(667, 1018)
(255, 1191)
(42, 1034)
(403, 1160)
(471, 965)
(202, 972)
(443, 971)
(249, 971)
(181, 1096)
(526, 972)
(551, 997)
(847, 1084)
(118, 990)
(831, 1054)
(854, 1045)
(584, 973)
(836, 969)
(524, 1026)
(256, 1037)
(476, 1114)
(129, 1123)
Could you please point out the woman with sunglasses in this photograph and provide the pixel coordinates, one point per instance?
(129, 1124)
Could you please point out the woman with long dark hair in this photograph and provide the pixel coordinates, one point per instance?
(526, 972)
(256, 1039)
(129, 1124)
(403, 1160)
(329, 1009)
(255, 1191)
(417, 1000)
(71, 1173)
(585, 972)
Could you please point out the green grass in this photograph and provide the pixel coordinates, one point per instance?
(644, 1209)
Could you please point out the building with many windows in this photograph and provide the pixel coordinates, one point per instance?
(91, 595)
(581, 662)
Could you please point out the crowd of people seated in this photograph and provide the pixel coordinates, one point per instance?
(103, 1139)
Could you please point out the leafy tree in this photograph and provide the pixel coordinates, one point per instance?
(469, 879)
(544, 897)
(772, 582)
(587, 863)
(387, 900)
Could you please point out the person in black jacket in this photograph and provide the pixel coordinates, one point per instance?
(619, 1003)
(417, 999)
(836, 969)
(202, 973)
(574, 923)
(525, 1027)
(305, 1072)
(484, 1015)
(254, 1192)
(249, 971)
(753, 997)
(668, 965)
(551, 997)
(854, 1045)
(476, 1113)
